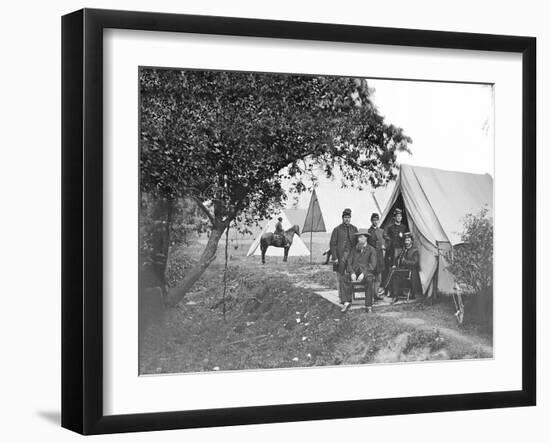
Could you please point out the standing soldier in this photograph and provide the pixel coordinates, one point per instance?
(342, 241)
(377, 241)
(394, 237)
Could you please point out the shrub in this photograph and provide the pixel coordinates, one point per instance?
(471, 263)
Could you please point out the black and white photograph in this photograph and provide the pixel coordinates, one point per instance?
(293, 220)
(245, 221)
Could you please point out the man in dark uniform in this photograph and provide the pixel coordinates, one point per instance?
(280, 232)
(377, 241)
(408, 261)
(394, 238)
(342, 242)
(361, 267)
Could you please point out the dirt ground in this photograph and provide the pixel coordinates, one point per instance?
(274, 319)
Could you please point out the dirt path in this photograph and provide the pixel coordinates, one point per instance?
(425, 318)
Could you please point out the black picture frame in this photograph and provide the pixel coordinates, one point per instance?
(82, 218)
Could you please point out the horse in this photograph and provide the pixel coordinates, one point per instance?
(267, 240)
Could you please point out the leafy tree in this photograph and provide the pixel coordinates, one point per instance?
(163, 224)
(232, 141)
(472, 262)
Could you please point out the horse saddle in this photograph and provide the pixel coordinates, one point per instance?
(279, 240)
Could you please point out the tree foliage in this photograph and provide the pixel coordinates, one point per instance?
(226, 136)
(472, 262)
(234, 141)
(163, 225)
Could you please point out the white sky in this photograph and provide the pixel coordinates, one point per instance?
(451, 124)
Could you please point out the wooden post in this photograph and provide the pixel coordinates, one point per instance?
(225, 271)
(311, 236)
(310, 247)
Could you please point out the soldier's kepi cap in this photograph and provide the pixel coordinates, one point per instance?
(364, 232)
(346, 212)
(374, 215)
(407, 235)
(397, 211)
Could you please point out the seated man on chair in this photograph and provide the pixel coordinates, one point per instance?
(405, 273)
(361, 268)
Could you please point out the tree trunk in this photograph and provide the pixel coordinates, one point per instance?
(168, 209)
(158, 214)
(175, 295)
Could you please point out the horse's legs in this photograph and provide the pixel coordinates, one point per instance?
(263, 254)
(285, 258)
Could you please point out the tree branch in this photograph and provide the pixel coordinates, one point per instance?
(204, 209)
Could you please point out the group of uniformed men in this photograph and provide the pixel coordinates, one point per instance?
(369, 255)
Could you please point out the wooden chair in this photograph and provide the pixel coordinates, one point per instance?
(358, 288)
(405, 288)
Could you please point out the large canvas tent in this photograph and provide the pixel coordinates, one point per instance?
(435, 203)
(298, 247)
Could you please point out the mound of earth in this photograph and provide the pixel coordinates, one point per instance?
(272, 322)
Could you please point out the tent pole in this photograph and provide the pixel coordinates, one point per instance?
(310, 247)
(311, 234)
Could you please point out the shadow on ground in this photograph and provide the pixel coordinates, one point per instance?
(53, 417)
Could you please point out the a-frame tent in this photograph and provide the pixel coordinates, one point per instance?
(328, 200)
(296, 216)
(298, 247)
(435, 203)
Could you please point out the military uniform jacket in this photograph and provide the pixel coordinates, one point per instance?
(377, 241)
(342, 242)
(394, 240)
(363, 261)
(279, 228)
(411, 261)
